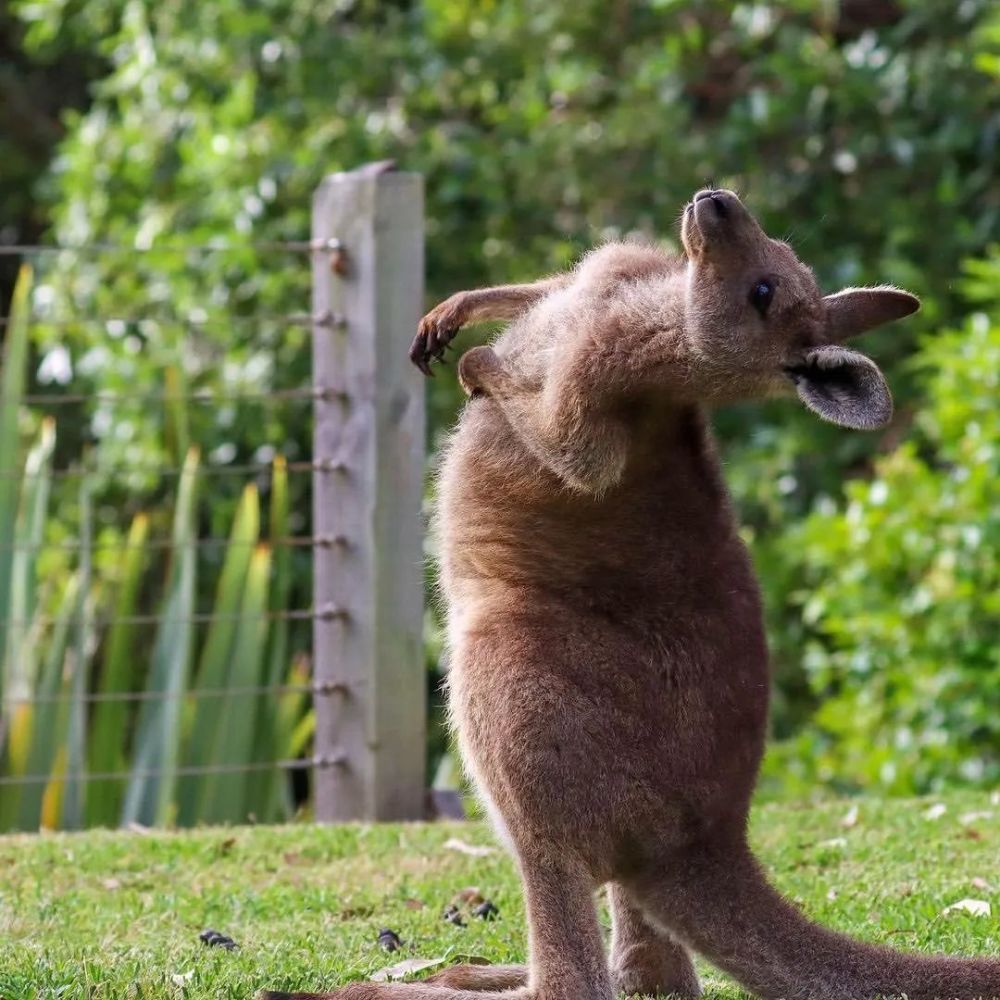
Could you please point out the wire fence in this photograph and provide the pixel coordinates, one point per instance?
(145, 657)
(30, 638)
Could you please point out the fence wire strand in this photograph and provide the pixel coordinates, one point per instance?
(195, 694)
(154, 544)
(195, 322)
(298, 614)
(311, 392)
(166, 471)
(101, 247)
(184, 771)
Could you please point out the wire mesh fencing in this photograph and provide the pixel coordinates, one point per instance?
(189, 640)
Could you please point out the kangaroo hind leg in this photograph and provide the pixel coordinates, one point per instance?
(646, 960)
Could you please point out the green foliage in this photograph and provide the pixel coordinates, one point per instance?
(541, 128)
(900, 589)
(36, 87)
(868, 137)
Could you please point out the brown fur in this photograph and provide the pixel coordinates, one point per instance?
(609, 677)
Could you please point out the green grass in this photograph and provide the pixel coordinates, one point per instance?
(117, 914)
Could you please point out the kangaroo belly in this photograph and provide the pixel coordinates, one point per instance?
(586, 734)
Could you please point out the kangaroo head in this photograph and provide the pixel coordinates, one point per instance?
(755, 318)
(738, 317)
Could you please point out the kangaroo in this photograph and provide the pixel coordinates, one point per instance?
(609, 676)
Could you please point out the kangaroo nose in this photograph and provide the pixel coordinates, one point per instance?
(717, 197)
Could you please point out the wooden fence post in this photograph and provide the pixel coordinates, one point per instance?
(368, 451)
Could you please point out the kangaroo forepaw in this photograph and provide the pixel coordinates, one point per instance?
(437, 330)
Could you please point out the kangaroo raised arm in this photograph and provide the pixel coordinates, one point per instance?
(439, 327)
(609, 678)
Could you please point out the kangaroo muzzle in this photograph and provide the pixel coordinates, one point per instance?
(717, 223)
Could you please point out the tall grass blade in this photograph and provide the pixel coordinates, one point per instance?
(76, 729)
(217, 655)
(153, 782)
(177, 431)
(24, 633)
(294, 725)
(12, 379)
(223, 796)
(270, 797)
(109, 726)
(49, 718)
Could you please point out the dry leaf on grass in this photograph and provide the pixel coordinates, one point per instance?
(411, 965)
(473, 850)
(977, 907)
(833, 842)
(406, 968)
(971, 817)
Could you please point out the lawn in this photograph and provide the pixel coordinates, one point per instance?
(118, 914)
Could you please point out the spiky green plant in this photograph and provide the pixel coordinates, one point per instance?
(192, 707)
(149, 798)
(109, 723)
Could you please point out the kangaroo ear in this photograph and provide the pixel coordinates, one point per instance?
(844, 387)
(854, 310)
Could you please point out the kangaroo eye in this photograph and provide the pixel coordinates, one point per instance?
(761, 295)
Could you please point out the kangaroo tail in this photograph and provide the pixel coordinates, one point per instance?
(720, 904)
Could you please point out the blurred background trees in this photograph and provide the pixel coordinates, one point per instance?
(865, 132)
